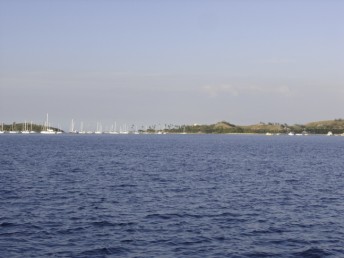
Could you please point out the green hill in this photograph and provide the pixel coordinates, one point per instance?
(320, 127)
(20, 127)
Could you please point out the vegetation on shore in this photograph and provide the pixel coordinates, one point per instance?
(321, 127)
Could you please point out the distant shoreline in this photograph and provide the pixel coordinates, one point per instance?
(328, 127)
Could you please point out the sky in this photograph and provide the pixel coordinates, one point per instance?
(171, 62)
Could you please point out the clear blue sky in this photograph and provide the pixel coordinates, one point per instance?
(178, 62)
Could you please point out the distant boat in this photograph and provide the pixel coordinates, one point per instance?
(12, 131)
(72, 130)
(25, 129)
(46, 128)
(183, 131)
(99, 129)
(82, 128)
(124, 131)
(269, 134)
(329, 133)
(113, 129)
(291, 134)
(2, 128)
(32, 131)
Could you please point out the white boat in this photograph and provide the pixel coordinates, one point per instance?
(72, 129)
(12, 131)
(48, 131)
(25, 129)
(32, 131)
(113, 129)
(46, 128)
(81, 131)
(329, 133)
(124, 131)
(184, 131)
(269, 134)
(291, 134)
(2, 128)
(99, 128)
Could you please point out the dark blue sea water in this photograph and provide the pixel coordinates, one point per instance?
(171, 196)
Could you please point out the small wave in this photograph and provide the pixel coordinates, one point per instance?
(126, 185)
(70, 230)
(174, 215)
(76, 170)
(225, 215)
(261, 254)
(163, 216)
(313, 252)
(103, 224)
(110, 224)
(105, 251)
(7, 224)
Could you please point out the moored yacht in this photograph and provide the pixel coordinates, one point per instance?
(72, 129)
(82, 131)
(13, 130)
(99, 128)
(32, 131)
(113, 129)
(46, 128)
(25, 129)
(2, 128)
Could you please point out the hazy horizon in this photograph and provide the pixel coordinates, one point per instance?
(171, 62)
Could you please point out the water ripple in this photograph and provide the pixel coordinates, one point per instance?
(171, 196)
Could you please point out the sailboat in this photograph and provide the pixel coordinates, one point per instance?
(13, 131)
(72, 130)
(114, 130)
(82, 128)
(183, 131)
(124, 131)
(25, 129)
(59, 131)
(136, 130)
(2, 128)
(46, 128)
(99, 129)
(32, 131)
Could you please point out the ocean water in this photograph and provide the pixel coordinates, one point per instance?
(171, 196)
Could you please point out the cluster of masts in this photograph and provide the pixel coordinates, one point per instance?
(99, 129)
(27, 128)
